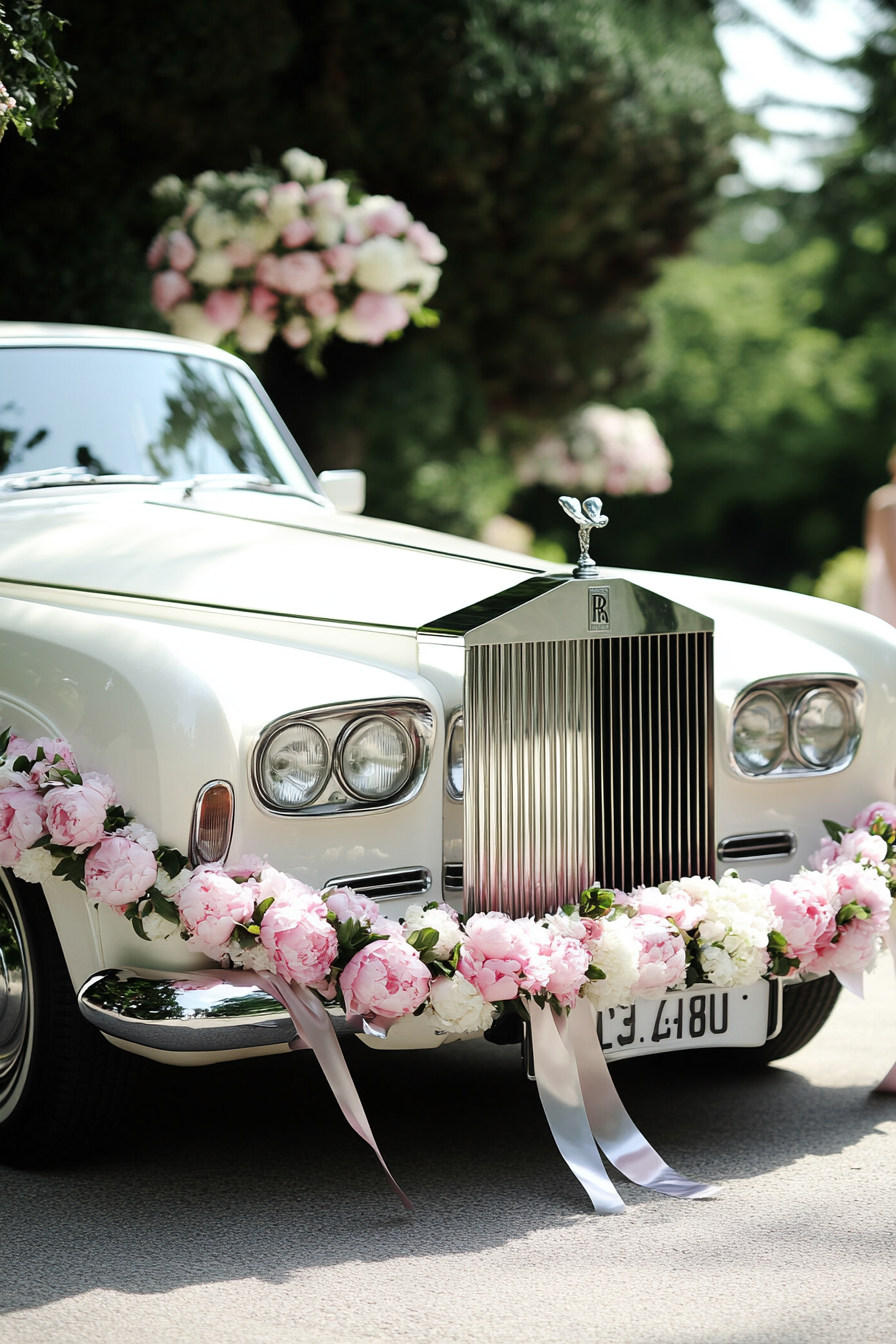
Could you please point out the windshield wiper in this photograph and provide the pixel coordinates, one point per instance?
(56, 476)
(243, 480)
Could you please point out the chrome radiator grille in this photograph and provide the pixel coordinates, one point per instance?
(586, 760)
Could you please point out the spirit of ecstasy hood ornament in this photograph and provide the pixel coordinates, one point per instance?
(588, 515)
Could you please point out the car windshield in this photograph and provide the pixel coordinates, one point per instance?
(136, 412)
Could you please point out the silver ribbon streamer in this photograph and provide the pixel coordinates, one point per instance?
(561, 1096)
(315, 1032)
(888, 1084)
(612, 1126)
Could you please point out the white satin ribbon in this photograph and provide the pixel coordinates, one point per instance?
(888, 1084)
(315, 1030)
(854, 981)
(561, 1096)
(612, 1126)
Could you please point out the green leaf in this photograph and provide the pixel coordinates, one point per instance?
(595, 973)
(852, 911)
(4, 740)
(21, 764)
(171, 860)
(163, 906)
(71, 867)
(423, 939)
(835, 830)
(262, 908)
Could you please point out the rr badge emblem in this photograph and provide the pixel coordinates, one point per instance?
(599, 608)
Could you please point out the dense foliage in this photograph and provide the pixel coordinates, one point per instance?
(560, 152)
(34, 82)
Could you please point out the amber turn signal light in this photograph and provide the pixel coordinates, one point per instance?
(212, 827)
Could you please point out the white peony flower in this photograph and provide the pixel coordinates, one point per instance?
(170, 886)
(303, 167)
(255, 333)
(617, 956)
(189, 320)
(212, 268)
(260, 232)
(156, 926)
(213, 227)
(733, 936)
(382, 265)
(35, 865)
(445, 925)
(567, 926)
(457, 1006)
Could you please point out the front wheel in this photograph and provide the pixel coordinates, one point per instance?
(58, 1077)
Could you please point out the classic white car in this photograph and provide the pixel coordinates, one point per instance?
(415, 715)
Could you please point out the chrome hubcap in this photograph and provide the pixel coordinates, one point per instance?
(14, 993)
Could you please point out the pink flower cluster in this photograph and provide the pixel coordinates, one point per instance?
(251, 256)
(601, 449)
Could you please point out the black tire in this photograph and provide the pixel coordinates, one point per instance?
(805, 1009)
(58, 1077)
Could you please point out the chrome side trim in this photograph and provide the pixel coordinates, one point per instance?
(758, 845)
(171, 1012)
(387, 885)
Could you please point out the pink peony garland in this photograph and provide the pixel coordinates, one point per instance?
(609, 947)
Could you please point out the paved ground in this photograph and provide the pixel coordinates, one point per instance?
(242, 1210)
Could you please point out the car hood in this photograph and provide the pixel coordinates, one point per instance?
(247, 551)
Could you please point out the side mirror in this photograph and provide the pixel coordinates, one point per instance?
(346, 490)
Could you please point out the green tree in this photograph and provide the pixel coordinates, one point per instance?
(35, 81)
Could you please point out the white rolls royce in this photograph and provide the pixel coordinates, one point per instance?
(417, 716)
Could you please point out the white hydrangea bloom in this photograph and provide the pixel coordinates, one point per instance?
(457, 1006)
(170, 886)
(35, 865)
(140, 835)
(254, 958)
(157, 926)
(734, 935)
(445, 925)
(384, 264)
(617, 957)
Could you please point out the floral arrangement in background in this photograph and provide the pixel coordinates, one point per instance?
(610, 947)
(601, 449)
(257, 254)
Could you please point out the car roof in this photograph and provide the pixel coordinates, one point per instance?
(72, 334)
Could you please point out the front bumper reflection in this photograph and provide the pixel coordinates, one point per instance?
(170, 1012)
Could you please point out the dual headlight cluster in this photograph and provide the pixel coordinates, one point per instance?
(341, 759)
(792, 726)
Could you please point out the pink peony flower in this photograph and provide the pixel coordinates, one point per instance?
(827, 853)
(347, 904)
(341, 261)
(856, 941)
(869, 814)
(322, 303)
(181, 250)
(296, 332)
(247, 866)
(661, 956)
(300, 273)
(427, 243)
(373, 317)
(76, 815)
(806, 905)
(390, 217)
(297, 233)
(169, 288)
(119, 871)
(675, 904)
(23, 816)
(17, 746)
(295, 930)
(494, 956)
(240, 253)
(862, 845)
(387, 979)
(156, 252)
(225, 307)
(52, 747)
(267, 272)
(569, 960)
(211, 905)
(263, 302)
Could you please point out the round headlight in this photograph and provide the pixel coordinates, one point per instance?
(821, 727)
(759, 733)
(454, 768)
(294, 766)
(376, 759)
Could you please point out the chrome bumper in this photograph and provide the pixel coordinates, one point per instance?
(169, 1012)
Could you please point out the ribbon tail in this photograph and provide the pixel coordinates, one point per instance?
(561, 1097)
(854, 981)
(612, 1126)
(313, 1024)
(888, 1084)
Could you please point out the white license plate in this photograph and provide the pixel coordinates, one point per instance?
(692, 1019)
